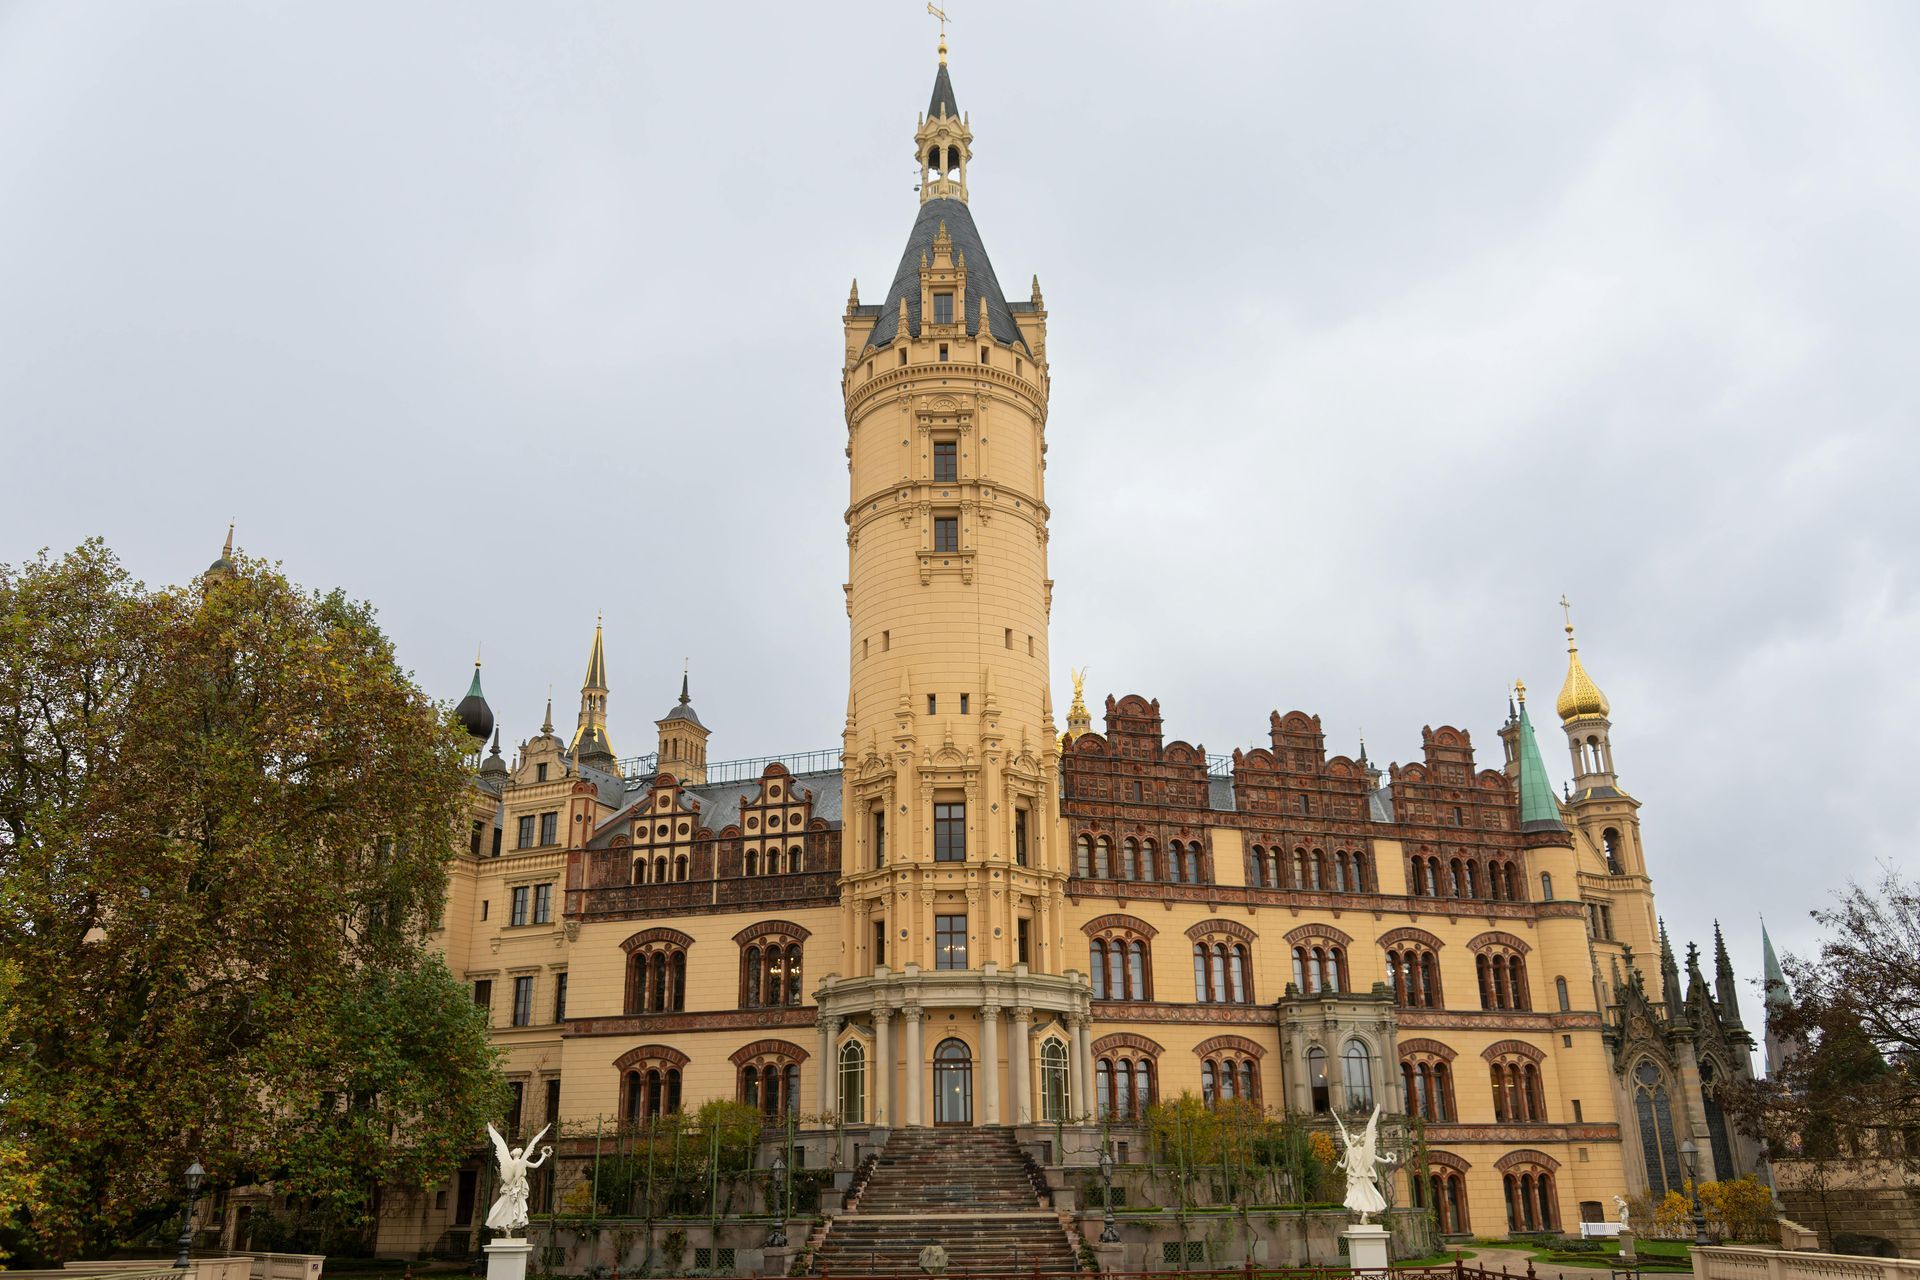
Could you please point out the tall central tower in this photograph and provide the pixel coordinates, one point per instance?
(950, 854)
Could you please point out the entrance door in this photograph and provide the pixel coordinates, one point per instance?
(952, 1083)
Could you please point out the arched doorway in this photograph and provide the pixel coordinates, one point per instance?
(952, 1083)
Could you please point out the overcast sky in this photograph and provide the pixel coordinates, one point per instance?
(1375, 328)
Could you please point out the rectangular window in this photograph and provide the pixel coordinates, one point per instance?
(464, 1196)
(879, 942)
(516, 1106)
(879, 837)
(933, 704)
(1009, 637)
(483, 996)
(903, 355)
(946, 461)
(543, 904)
(497, 833)
(526, 833)
(560, 997)
(943, 308)
(886, 641)
(1577, 1117)
(963, 704)
(950, 833)
(553, 1101)
(549, 828)
(1020, 837)
(473, 845)
(518, 916)
(946, 533)
(539, 773)
(944, 356)
(1020, 943)
(523, 1001)
(983, 356)
(485, 906)
(949, 942)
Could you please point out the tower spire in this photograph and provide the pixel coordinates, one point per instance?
(1725, 993)
(1539, 811)
(591, 743)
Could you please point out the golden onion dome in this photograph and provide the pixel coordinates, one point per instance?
(1580, 697)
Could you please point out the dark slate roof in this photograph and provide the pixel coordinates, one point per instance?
(720, 802)
(942, 95)
(980, 278)
(1380, 804)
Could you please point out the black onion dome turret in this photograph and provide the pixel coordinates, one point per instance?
(474, 713)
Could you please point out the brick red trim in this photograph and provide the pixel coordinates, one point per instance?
(1308, 932)
(1238, 1044)
(1514, 1159)
(785, 928)
(673, 937)
(1519, 1048)
(1434, 1047)
(1215, 924)
(763, 1048)
(1495, 938)
(1448, 1160)
(1409, 934)
(1126, 1040)
(651, 1053)
(1114, 920)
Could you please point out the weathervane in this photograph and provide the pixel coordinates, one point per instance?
(942, 15)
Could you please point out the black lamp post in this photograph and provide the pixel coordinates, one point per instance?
(195, 1176)
(1108, 1235)
(1690, 1155)
(778, 1239)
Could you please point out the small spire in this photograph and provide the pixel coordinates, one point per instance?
(546, 725)
(1579, 696)
(684, 697)
(226, 552)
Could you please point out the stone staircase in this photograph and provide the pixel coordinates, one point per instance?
(970, 1191)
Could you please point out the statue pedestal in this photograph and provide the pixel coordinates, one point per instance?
(1626, 1246)
(507, 1259)
(1367, 1248)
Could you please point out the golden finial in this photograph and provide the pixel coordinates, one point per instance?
(1566, 611)
(1520, 691)
(1579, 696)
(942, 15)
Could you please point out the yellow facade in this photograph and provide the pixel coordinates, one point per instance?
(753, 930)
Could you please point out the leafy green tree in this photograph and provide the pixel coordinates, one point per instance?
(225, 819)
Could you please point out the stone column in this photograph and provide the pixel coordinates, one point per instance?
(1019, 1080)
(913, 1064)
(1079, 1070)
(829, 1032)
(990, 1060)
(882, 1067)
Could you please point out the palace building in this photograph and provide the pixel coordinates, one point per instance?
(972, 914)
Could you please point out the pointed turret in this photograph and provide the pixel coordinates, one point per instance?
(473, 712)
(1778, 998)
(1539, 811)
(683, 740)
(591, 744)
(1669, 977)
(222, 568)
(1725, 993)
(494, 767)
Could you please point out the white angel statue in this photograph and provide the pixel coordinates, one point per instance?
(1360, 1161)
(1620, 1203)
(509, 1211)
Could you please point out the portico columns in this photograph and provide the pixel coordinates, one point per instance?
(829, 1032)
(1019, 1081)
(882, 1067)
(990, 1059)
(913, 1064)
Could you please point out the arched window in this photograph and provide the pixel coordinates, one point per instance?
(853, 1082)
(1102, 859)
(1130, 859)
(1356, 1073)
(752, 862)
(1610, 845)
(1531, 1202)
(1560, 990)
(1054, 1097)
(1222, 964)
(1427, 1074)
(1083, 856)
(1147, 870)
(1501, 971)
(1723, 1166)
(1120, 958)
(649, 1082)
(1444, 1192)
(1546, 886)
(1361, 883)
(1228, 1071)
(1414, 973)
(770, 964)
(1517, 1094)
(1257, 866)
(656, 971)
(1302, 876)
(770, 1076)
(1658, 1145)
(1317, 1079)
